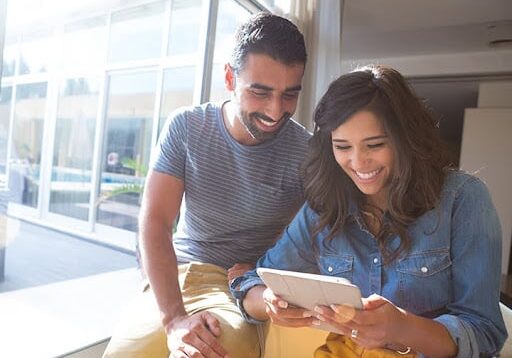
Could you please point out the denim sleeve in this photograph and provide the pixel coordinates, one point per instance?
(293, 252)
(462, 334)
(474, 320)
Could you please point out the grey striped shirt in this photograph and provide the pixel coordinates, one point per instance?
(238, 198)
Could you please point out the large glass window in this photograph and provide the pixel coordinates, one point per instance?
(5, 114)
(71, 178)
(9, 60)
(136, 33)
(126, 148)
(185, 26)
(232, 15)
(178, 90)
(27, 139)
(84, 45)
(36, 52)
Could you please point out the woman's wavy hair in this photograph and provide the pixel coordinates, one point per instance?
(420, 157)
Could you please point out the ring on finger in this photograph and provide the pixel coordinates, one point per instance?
(354, 333)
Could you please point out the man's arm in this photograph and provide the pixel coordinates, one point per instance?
(160, 206)
(186, 334)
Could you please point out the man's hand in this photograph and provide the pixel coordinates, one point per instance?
(238, 270)
(195, 336)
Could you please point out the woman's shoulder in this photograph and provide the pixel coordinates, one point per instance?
(459, 182)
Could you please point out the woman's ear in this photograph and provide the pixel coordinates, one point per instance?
(229, 77)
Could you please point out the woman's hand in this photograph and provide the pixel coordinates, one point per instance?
(283, 314)
(376, 326)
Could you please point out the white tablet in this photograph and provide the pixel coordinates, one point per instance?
(308, 290)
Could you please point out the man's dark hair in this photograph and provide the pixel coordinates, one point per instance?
(271, 35)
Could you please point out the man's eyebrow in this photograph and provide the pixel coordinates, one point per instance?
(267, 88)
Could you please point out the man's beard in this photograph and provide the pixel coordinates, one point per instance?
(249, 122)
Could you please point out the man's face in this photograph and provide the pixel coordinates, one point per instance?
(264, 95)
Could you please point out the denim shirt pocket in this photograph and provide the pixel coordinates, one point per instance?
(337, 265)
(424, 280)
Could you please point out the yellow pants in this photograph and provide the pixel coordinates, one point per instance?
(342, 346)
(204, 288)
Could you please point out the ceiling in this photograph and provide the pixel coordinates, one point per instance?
(377, 29)
(391, 28)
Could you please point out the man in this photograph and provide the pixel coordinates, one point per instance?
(232, 172)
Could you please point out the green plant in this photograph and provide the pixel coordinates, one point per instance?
(130, 187)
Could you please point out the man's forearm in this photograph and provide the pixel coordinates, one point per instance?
(159, 261)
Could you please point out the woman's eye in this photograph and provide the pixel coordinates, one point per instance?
(376, 145)
(342, 147)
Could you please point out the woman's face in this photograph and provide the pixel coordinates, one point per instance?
(363, 150)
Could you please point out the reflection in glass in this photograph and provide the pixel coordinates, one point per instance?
(5, 111)
(70, 186)
(178, 90)
(35, 55)
(83, 45)
(9, 61)
(25, 157)
(136, 33)
(232, 15)
(185, 25)
(126, 148)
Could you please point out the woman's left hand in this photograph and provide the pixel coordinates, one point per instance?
(375, 326)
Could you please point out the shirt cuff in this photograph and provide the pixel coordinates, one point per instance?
(239, 288)
(462, 334)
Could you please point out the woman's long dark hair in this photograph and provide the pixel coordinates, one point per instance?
(420, 159)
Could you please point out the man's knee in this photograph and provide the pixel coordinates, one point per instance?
(238, 337)
(140, 333)
(148, 346)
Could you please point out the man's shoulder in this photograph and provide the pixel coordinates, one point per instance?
(296, 133)
(196, 116)
(205, 110)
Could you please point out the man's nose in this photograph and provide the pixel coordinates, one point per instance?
(274, 109)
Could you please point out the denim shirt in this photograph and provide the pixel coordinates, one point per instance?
(453, 265)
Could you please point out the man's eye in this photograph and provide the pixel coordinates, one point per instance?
(291, 96)
(260, 94)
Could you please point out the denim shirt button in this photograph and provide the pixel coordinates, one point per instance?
(424, 269)
(329, 269)
(375, 260)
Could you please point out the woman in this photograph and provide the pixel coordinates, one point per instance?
(422, 241)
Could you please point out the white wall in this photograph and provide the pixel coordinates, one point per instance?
(444, 64)
(487, 150)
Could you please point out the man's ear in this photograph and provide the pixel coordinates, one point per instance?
(229, 77)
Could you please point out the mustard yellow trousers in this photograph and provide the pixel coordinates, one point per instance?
(140, 333)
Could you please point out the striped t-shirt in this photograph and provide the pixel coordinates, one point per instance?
(238, 198)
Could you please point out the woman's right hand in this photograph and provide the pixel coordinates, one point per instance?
(283, 314)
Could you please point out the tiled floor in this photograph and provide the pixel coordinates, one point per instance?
(37, 256)
(60, 293)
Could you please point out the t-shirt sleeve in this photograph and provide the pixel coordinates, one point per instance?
(169, 155)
